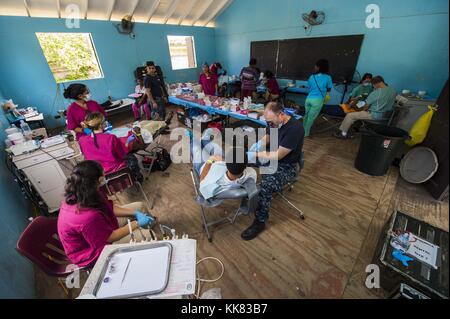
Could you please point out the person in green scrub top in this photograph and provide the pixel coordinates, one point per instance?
(378, 106)
(320, 84)
(360, 93)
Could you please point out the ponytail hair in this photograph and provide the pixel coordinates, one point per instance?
(74, 91)
(82, 186)
(94, 122)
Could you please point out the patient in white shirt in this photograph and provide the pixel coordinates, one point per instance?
(219, 174)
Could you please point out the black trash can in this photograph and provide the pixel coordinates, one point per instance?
(379, 147)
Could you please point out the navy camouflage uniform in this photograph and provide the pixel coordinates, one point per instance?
(273, 183)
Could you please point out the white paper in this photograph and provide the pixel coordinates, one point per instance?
(423, 251)
(136, 272)
(182, 278)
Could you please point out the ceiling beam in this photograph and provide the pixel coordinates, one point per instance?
(58, 8)
(87, 9)
(202, 11)
(111, 9)
(191, 6)
(225, 4)
(133, 11)
(25, 4)
(171, 10)
(153, 9)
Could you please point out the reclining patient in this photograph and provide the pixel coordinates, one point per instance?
(218, 175)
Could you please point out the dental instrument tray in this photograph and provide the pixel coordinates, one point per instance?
(135, 272)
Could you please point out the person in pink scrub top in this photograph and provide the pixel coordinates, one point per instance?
(80, 108)
(88, 221)
(107, 149)
(208, 81)
(141, 102)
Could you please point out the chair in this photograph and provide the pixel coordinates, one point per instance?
(122, 180)
(290, 186)
(41, 245)
(248, 203)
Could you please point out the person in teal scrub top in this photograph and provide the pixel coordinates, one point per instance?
(320, 84)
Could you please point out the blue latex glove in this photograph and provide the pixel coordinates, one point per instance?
(87, 131)
(251, 157)
(131, 139)
(257, 147)
(108, 127)
(397, 254)
(142, 219)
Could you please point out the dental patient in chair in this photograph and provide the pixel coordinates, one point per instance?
(218, 175)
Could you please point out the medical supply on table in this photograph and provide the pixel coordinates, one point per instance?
(24, 148)
(52, 141)
(141, 274)
(12, 130)
(27, 133)
(139, 271)
(16, 138)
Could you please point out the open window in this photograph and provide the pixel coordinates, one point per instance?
(70, 56)
(182, 52)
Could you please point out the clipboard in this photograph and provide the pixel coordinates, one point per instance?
(135, 272)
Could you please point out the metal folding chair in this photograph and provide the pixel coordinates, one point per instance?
(122, 180)
(290, 186)
(248, 203)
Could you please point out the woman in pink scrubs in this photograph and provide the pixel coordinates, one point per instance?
(208, 81)
(80, 108)
(141, 102)
(107, 149)
(87, 220)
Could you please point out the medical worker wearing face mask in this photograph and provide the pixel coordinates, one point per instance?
(80, 108)
(289, 148)
(88, 221)
(107, 149)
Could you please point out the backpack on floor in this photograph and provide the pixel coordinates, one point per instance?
(163, 160)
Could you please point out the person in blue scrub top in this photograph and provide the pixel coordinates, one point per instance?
(320, 84)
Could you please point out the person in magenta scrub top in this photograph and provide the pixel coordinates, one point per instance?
(249, 78)
(273, 89)
(107, 149)
(82, 106)
(209, 81)
(88, 221)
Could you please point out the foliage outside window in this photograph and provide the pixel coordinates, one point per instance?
(182, 52)
(70, 56)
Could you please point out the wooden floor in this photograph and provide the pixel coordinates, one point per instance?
(324, 256)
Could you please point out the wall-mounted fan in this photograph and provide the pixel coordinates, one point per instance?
(346, 80)
(126, 26)
(313, 18)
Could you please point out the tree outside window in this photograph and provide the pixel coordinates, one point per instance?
(70, 56)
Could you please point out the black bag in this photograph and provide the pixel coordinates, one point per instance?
(163, 160)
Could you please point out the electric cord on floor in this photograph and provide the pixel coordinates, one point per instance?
(200, 280)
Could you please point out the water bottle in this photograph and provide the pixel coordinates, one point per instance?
(26, 130)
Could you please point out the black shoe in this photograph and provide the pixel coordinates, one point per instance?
(254, 230)
(338, 134)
